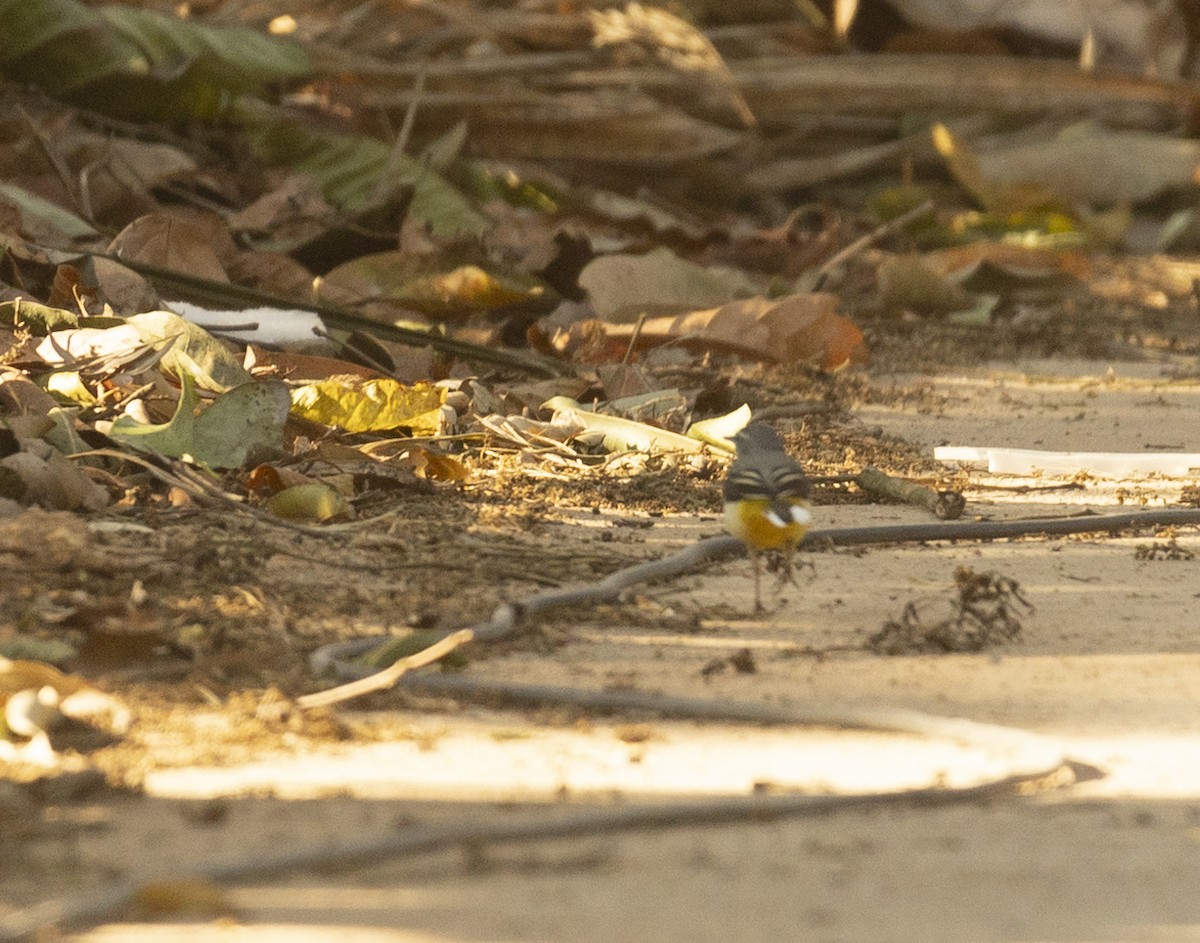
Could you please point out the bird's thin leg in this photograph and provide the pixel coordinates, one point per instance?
(786, 573)
(758, 606)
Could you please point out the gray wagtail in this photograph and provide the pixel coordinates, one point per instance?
(766, 498)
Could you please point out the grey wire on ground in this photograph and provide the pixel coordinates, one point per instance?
(357, 680)
(713, 548)
(508, 617)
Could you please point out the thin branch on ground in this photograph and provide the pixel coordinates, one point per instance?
(509, 617)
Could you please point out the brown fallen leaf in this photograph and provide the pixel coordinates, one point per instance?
(294, 367)
(796, 329)
(22, 397)
(437, 466)
(270, 479)
(52, 480)
(623, 286)
(123, 289)
(907, 283)
(197, 245)
(272, 272)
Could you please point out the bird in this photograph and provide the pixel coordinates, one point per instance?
(766, 498)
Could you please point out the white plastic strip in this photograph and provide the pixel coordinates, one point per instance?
(1101, 464)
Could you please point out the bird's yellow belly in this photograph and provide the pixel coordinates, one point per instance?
(747, 520)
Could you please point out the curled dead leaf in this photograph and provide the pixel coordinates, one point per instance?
(803, 328)
(437, 466)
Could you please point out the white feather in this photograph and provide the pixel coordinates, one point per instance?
(798, 514)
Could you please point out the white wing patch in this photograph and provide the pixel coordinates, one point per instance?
(799, 515)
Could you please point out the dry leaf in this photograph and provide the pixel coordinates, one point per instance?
(1092, 165)
(20, 396)
(1020, 262)
(795, 329)
(438, 466)
(293, 367)
(358, 405)
(622, 287)
(173, 242)
(54, 482)
(123, 289)
(907, 283)
(272, 272)
(619, 434)
(293, 212)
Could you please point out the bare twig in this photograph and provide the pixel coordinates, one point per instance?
(383, 186)
(509, 617)
(391, 675)
(865, 242)
(633, 338)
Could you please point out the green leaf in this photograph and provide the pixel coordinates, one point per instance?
(44, 221)
(236, 425)
(39, 318)
(197, 353)
(139, 63)
(231, 56)
(348, 167)
(31, 25)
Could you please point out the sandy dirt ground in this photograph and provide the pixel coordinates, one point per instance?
(1106, 668)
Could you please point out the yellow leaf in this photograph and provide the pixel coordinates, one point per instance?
(68, 384)
(312, 502)
(359, 405)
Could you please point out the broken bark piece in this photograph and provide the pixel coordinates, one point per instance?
(945, 505)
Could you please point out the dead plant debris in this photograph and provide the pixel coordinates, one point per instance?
(1163, 550)
(982, 612)
(742, 661)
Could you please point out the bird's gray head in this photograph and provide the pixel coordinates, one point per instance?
(758, 436)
